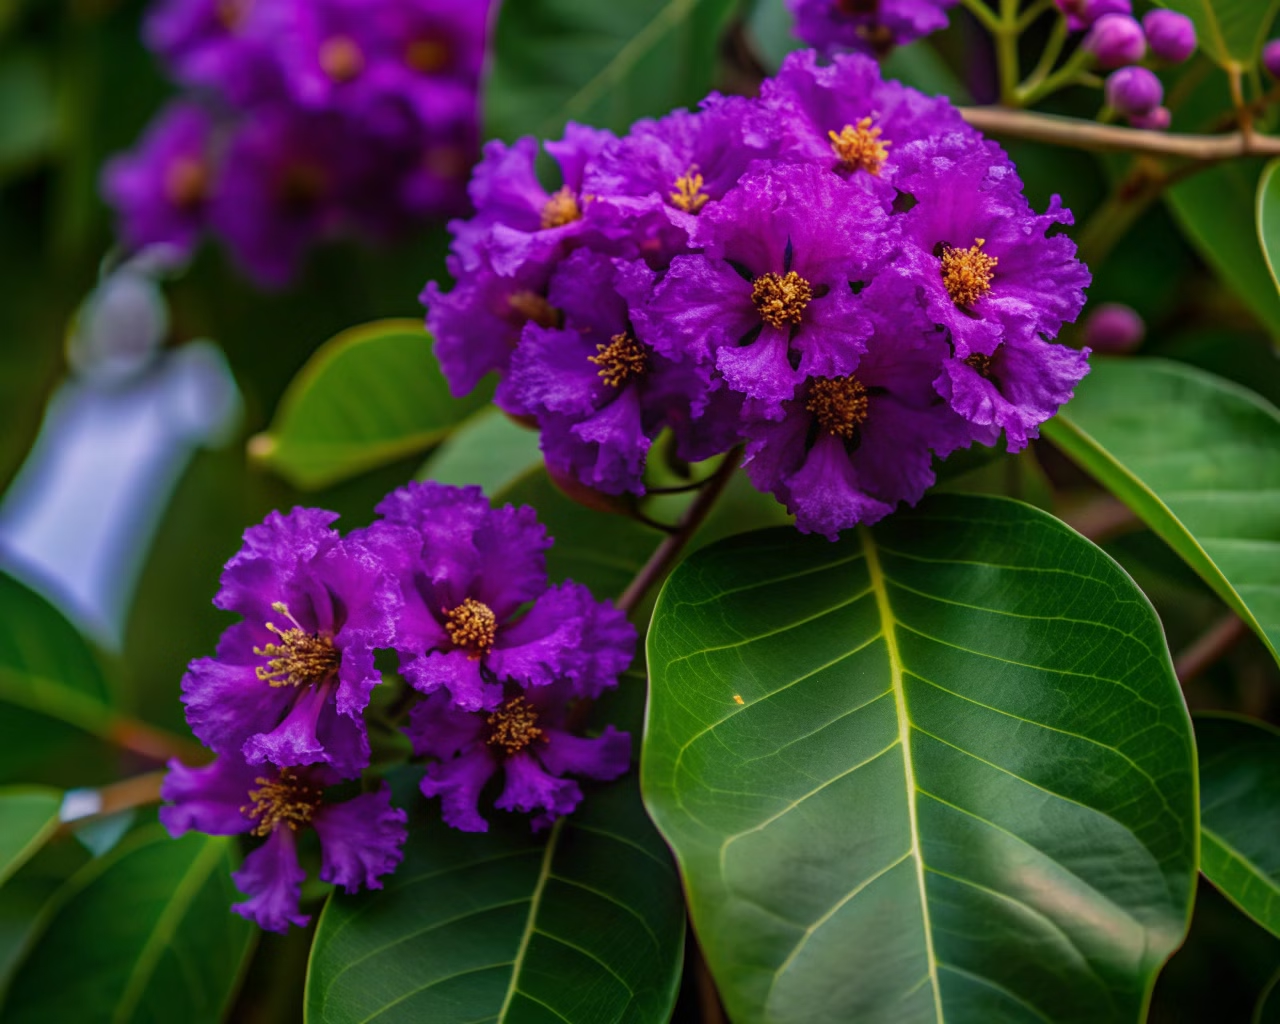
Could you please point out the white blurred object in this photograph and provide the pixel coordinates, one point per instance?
(78, 521)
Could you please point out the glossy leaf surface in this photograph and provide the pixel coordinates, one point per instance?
(1198, 459)
(28, 816)
(145, 934)
(1269, 218)
(940, 770)
(1240, 813)
(602, 64)
(369, 396)
(583, 924)
(1230, 31)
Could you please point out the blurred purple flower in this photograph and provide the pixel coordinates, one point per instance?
(868, 26)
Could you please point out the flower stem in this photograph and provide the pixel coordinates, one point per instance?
(1206, 649)
(1052, 48)
(985, 15)
(1006, 38)
(136, 791)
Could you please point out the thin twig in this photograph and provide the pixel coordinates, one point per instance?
(1080, 134)
(664, 557)
(1101, 519)
(137, 791)
(152, 743)
(1207, 648)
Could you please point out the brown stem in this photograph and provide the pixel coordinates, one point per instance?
(137, 791)
(1207, 648)
(152, 743)
(1101, 519)
(664, 557)
(1079, 134)
(711, 1010)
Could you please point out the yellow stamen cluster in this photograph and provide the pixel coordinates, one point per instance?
(688, 195)
(980, 363)
(472, 626)
(620, 360)
(860, 147)
(186, 182)
(299, 659)
(967, 273)
(284, 801)
(341, 58)
(531, 306)
(513, 726)
(839, 404)
(561, 209)
(427, 55)
(780, 299)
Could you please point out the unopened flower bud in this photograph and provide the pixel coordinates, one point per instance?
(1083, 13)
(1156, 121)
(1134, 92)
(1116, 40)
(1271, 58)
(1171, 36)
(1114, 327)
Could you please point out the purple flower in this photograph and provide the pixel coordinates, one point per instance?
(1083, 13)
(845, 116)
(600, 393)
(161, 190)
(1271, 58)
(478, 610)
(771, 300)
(526, 738)
(869, 26)
(851, 446)
(223, 45)
(979, 254)
(361, 839)
(289, 684)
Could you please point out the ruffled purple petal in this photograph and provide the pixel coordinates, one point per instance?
(603, 757)
(458, 783)
(530, 788)
(455, 671)
(361, 840)
(208, 799)
(227, 703)
(272, 879)
(438, 728)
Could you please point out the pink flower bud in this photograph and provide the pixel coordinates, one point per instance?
(1114, 327)
(1116, 40)
(1271, 58)
(1156, 121)
(1134, 92)
(1171, 36)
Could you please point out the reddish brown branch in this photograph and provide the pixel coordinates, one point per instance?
(1210, 646)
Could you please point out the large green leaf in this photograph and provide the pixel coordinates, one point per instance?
(1230, 31)
(1269, 217)
(583, 924)
(490, 451)
(1215, 208)
(1240, 813)
(28, 816)
(1198, 459)
(145, 934)
(369, 396)
(603, 64)
(940, 770)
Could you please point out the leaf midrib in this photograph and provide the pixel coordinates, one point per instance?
(535, 901)
(888, 623)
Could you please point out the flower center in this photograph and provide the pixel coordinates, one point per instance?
(299, 659)
(472, 626)
(967, 273)
(854, 7)
(286, 800)
(620, 360)
(186, 182)
(561, 209)
(231, 14)
(980, 363)
(513, 726)
(781, 300)
(688, 195)
(427, 55)
(860, 146)
(446, 161)
(341, 58)
(839, 404)
(531, 306)
(301, 186)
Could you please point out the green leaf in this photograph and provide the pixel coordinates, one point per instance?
(1230, 31)
(584, 925)
(489, 450)
(1240, 813)
(28, 816)
(1268, 1009)
(1215, 208)
(145, 934)
(1269, 217)
(602, 64)
(369, 396)
(937, 770)
(1198, 459)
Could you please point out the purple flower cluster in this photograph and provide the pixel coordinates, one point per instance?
(304, 119)
(459, 591)
(866, 26)
(841, 275)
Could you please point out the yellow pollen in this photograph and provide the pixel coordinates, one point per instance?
(283, 801)
(860, 146)
(689, 195)
(980, 363)
(186, 182)
(839, 404)
(531, 306)
(427, 55)
(341, 58)
(299, 659)
(514, 726)
(967, 273)
(620, 360)
(781, 300)
(561, 209)
(472, 626)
